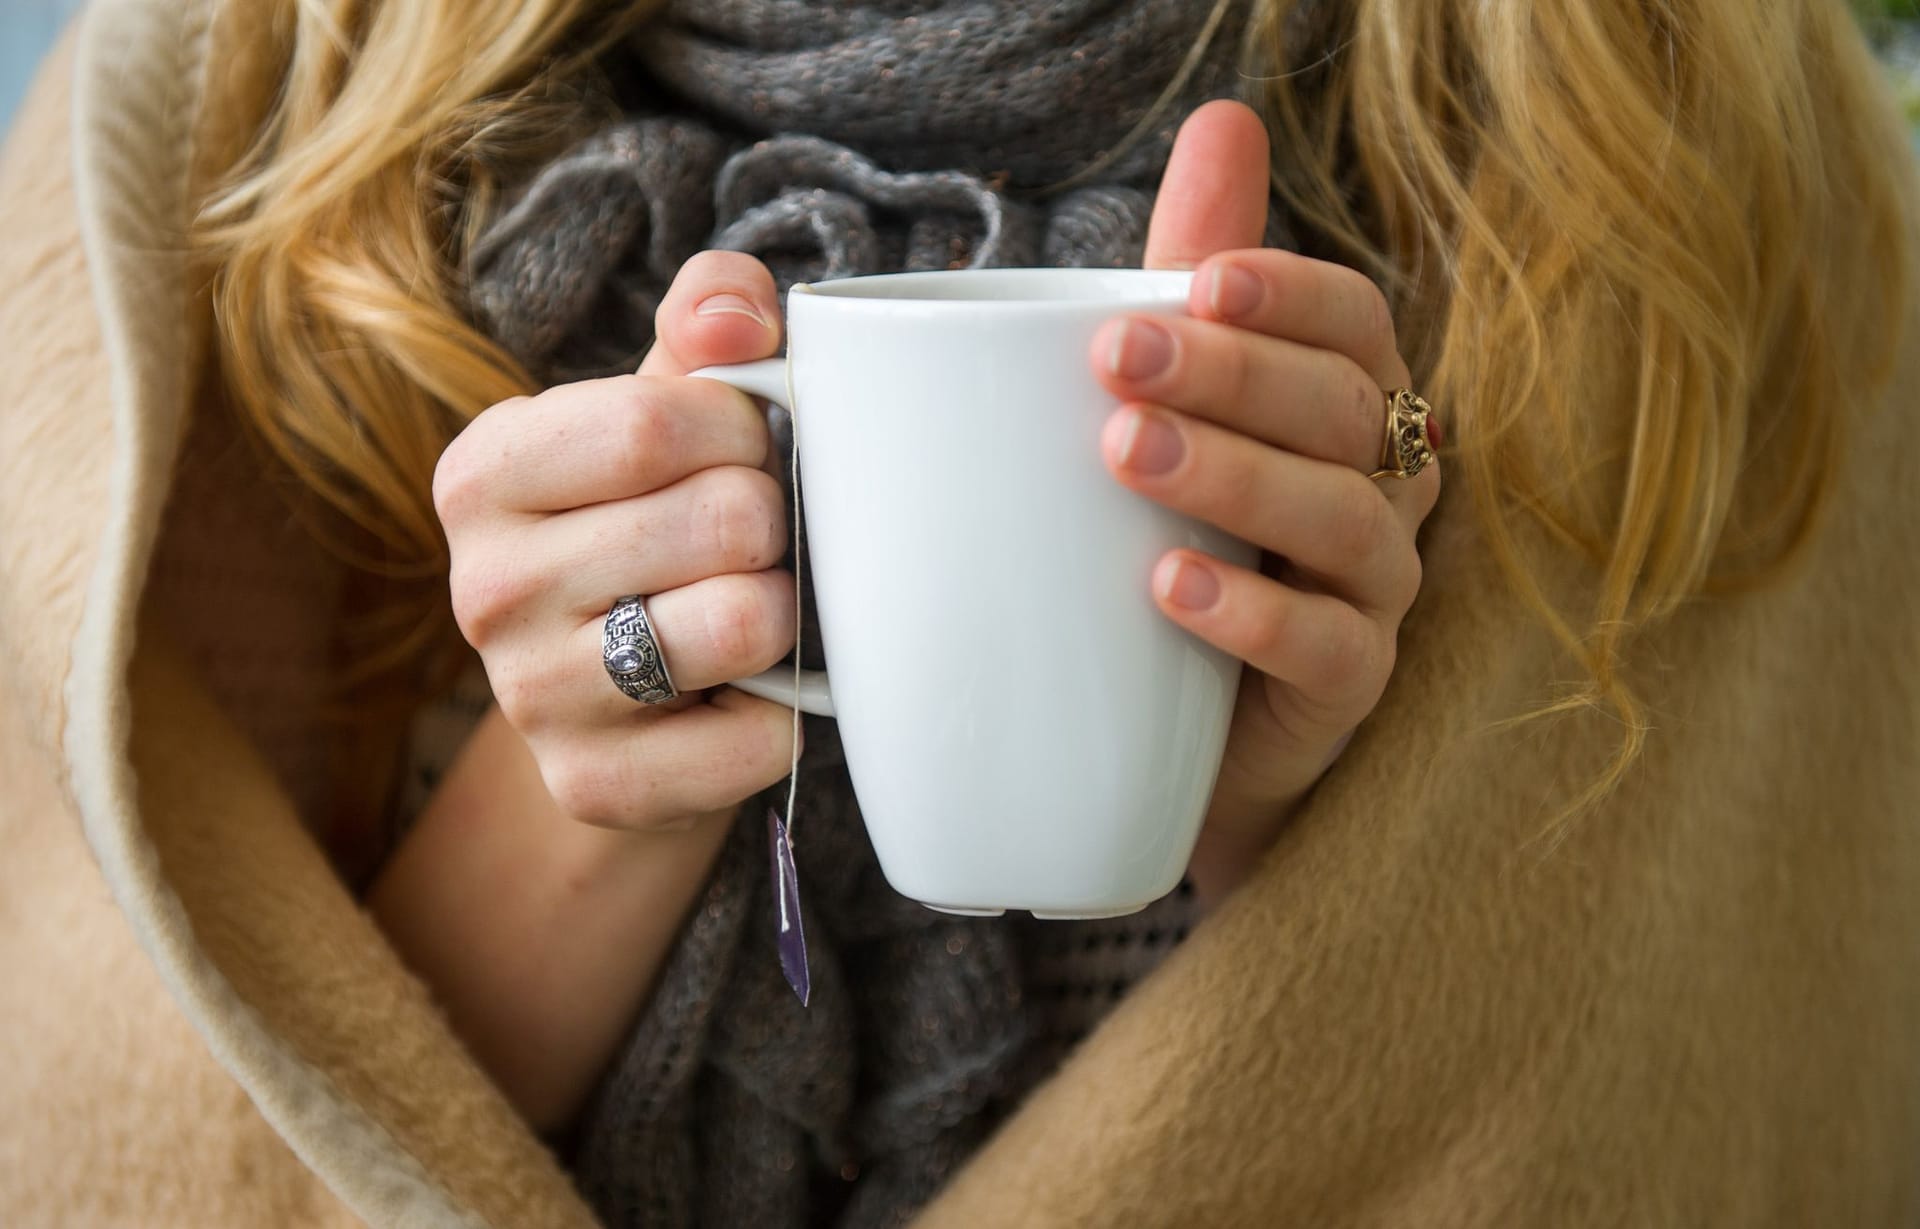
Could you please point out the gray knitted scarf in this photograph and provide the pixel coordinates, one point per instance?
(832, 139)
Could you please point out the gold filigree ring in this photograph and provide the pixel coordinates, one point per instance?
(1413, 433)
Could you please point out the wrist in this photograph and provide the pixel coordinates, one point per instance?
(1249, 808)
(539, 935)
(1232, 841)
(590, 857)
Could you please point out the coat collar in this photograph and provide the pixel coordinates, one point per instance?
(280, 973)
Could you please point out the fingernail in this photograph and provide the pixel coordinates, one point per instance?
(1192, 586)
(1151, 445)
(1236, 291)
(1141, 349)
(730, 305)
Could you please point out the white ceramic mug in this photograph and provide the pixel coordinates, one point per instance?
(1023, 727)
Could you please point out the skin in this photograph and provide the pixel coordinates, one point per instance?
(577, 824)
(1274, 390)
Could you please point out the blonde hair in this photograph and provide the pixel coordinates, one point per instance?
(1690, 213)
(335, 254)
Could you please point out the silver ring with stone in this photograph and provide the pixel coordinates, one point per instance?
(632, 655)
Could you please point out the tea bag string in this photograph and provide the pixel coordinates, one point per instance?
(793, 469)
(790, 939)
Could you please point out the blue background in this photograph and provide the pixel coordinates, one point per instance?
(27, 29)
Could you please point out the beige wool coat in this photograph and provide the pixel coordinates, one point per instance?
(1701, 1008)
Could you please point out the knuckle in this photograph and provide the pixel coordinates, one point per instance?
(1407, 588)
(760, 749)
(1229, 486)
(1360, 516)
(1345, 656)
(1376, 315)
(463, 474)
(1266, 637)
(459, 483)
(746, 530)
(488, 592)
(730, 627)
(1366, 413)
(1236, 372)
(1379, 669)
(649, 432)
(594, 786)
(1427, 488)
(521, 695)
(776, 597)
(741, 629)
(577, 784)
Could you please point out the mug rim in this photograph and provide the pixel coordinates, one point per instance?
(1127, 288)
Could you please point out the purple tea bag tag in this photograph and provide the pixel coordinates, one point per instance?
(786, 889)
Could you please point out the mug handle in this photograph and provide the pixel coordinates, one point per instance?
(767, 378)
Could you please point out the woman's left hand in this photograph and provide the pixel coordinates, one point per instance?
(1263, 412)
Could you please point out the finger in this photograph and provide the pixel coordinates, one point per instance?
(714, 522)
(1302, 398)
(707, 758)
(1213, 194)
(1334, 656)
(1313, 302)
(723, 627)
(1329, 521)
(710, 632)
(721, 308)
(594, 441)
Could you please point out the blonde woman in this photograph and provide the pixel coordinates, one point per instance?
(1562, 868)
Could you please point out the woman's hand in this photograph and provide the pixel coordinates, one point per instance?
(557, 505)
(1263, 413)
(541, 937)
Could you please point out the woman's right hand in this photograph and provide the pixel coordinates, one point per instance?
(556, 505)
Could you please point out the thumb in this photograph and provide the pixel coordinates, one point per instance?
(721, 308)
(1213, 195)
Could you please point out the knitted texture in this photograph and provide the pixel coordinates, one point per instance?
(962, 1013)
(832, 140)
(568, 278)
